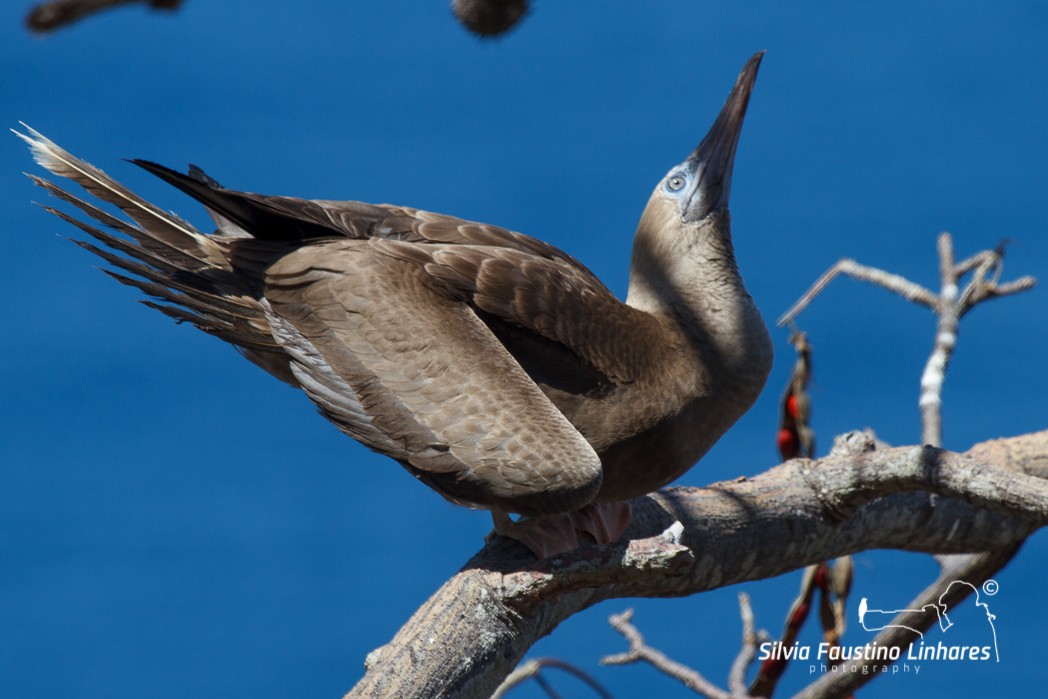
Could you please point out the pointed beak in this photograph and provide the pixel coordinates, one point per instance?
(712, 161)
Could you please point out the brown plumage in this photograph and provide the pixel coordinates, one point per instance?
(496, 368)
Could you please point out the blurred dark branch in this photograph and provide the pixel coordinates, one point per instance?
(49, 16)
(489, 18)
(484, 18)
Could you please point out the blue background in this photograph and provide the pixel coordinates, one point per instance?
(173, 522)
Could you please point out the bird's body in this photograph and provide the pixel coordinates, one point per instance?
(494, 367)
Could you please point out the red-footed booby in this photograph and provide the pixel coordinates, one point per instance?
(495, 368)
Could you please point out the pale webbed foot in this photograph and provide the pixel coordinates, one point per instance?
(549, 535)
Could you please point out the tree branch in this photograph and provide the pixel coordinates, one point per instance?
(892, 282)
(477, 627)
(950, 306)
(641, 651)
(751, 639)
(532, 669)
(48, 16)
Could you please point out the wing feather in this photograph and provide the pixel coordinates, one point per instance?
(424, 381)
(438, 341)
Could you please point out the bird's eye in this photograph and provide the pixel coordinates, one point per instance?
(675, 183)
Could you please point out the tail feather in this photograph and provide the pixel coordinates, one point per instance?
(161, 225)
(120, 245)
(210, 281)
(181, 315)
(147, 246)
(237, 212)
(191, 297)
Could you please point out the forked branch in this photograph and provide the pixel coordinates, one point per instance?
(640, 651)
(950, 305)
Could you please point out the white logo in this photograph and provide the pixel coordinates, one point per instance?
(879, 619)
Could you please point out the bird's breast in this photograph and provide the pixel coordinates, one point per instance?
(658, 454)
(651, 431)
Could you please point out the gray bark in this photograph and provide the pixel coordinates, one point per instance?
(477, 627)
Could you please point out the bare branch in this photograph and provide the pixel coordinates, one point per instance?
(49, 16)
(524, 672)
(934, 374)
(950, 305)
(751, 639)
(992, 262)
(892, 282)
(962, 268)
(988, 292)
(532, 668)
(478, 626)
(944, 244)
(640, 651)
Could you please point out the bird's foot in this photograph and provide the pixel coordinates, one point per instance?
(549, 535)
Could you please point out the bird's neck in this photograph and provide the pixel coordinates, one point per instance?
(687, 276)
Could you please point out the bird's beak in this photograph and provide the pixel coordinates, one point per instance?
(712, 161)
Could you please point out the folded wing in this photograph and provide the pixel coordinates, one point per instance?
(424, 336)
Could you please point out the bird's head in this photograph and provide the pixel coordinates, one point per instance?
(701, 185)
(690, 204)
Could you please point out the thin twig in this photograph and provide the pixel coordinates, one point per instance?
(991, 262)
(962, 268)
(751, 639)
(640, 651)
(892, 282)
(531, 669)
(987, 292)
(944, 244)
(692, 679)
